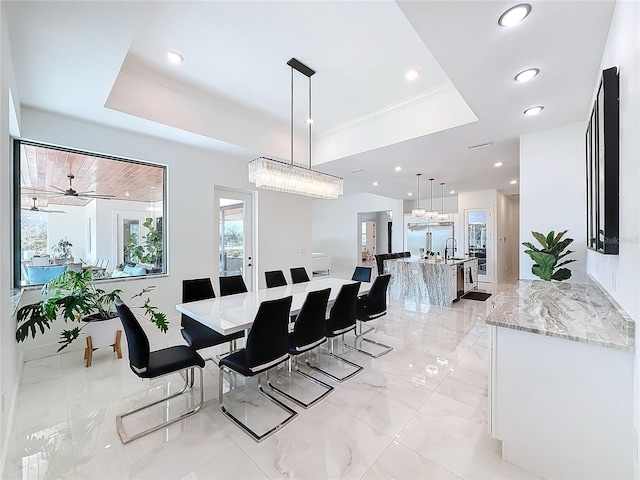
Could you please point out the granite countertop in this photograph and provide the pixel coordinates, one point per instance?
(582, 312)
(427, 262)
(14, 299)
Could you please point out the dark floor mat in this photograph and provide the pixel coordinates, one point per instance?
(482, 296)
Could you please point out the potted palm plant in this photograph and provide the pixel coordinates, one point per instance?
(75, 298)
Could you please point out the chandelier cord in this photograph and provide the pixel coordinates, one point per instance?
(431, 203)
(291, 115)
(309, 120)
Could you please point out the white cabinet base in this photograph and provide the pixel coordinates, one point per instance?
(563, 409)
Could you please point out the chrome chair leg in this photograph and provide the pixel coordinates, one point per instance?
(258, 438)
(358, 368)
(328, 388)
(126, 438)
(359, 336)
(363, 330)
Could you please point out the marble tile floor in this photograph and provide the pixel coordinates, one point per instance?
(417, 412)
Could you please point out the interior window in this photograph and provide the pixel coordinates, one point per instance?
(80, 211)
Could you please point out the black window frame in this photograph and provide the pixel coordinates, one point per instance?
(17, 215)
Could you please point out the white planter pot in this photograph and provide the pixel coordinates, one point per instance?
(102, 333)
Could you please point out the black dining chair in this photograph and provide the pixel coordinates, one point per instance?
(308, 333)
(369, 307)
(275, 278)
(342, 319)
(197, 335)
(267, 346)
(232, 285)
(152, 364)
(362, 274)
(299, 275)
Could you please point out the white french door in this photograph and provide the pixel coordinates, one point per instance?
(479, 241)
(235, 234)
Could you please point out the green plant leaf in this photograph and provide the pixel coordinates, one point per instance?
(565, 262)
(531, 246)
(550, 237)
(30, 318)
(543, 259)
(68, 336)
(559, 247)
(542, 272)
(559, 236)
(561, 274)
(541, 238)
(568, 252)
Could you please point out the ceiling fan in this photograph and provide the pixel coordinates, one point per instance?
(70, 192)
(36, 209)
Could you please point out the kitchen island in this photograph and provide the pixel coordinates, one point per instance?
(561, 380)
(432, 282)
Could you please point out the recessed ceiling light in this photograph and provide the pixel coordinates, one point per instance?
(452, 191)
(398, 169)
(526, 75)
(126, 194)
(310, 121)
(375, 184)
(513, 182)
(514, 15)
(175, 57)
(410, 194)
(412, 74)
(498, 164)
(534, 110)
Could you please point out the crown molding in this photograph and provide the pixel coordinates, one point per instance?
(422, 97)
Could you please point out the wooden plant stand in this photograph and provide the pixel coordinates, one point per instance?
(88, 351)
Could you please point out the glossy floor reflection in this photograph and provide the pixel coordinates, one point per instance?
(417, 412)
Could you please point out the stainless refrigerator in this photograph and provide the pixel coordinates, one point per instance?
(430, 236)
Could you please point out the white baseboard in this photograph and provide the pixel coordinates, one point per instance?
(13, 402)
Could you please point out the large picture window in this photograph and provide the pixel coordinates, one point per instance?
(78, 210)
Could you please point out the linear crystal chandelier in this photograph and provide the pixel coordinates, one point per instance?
(286, 177)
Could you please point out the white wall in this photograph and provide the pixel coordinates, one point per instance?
(507, 227)
(9, 354)
(513, 233)
(336, 230)
(620, 274)
(552, 192)
(287, 242)
(69, 225)
(283, 220)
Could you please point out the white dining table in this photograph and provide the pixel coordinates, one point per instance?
(235, 313)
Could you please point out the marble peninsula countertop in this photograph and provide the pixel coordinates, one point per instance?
(14, 299)
(424, 261)
(582, 312)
